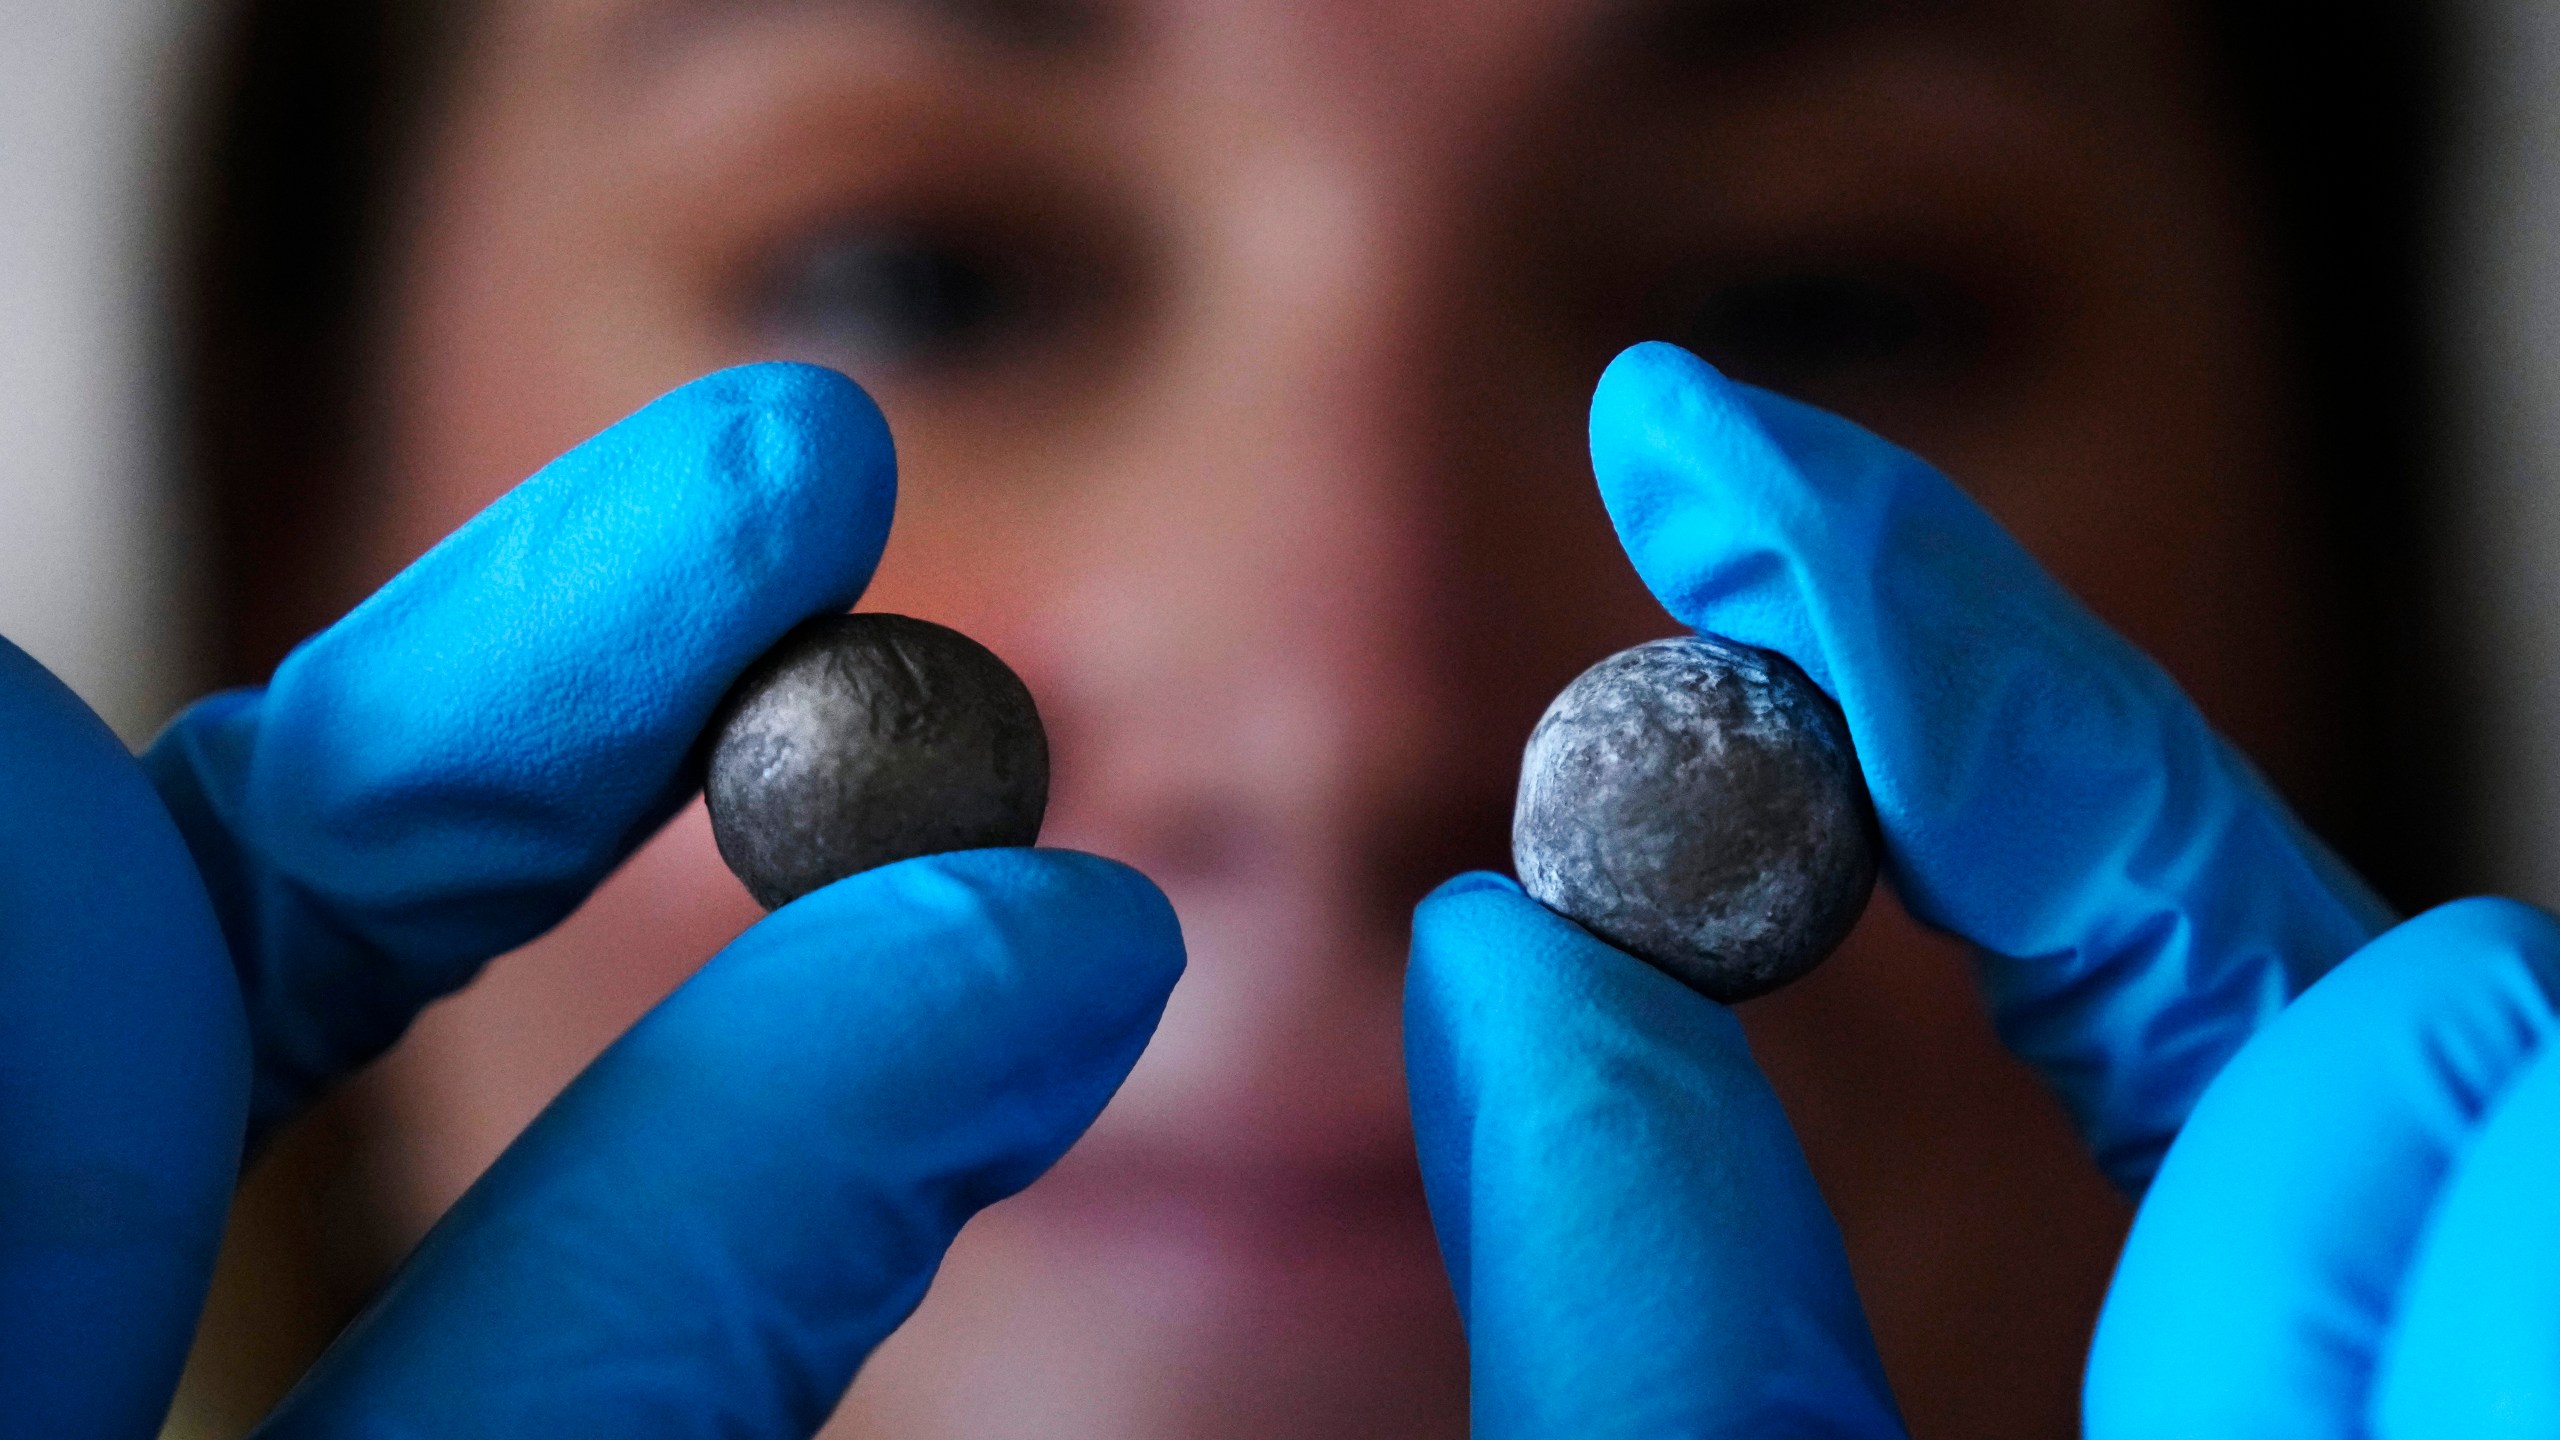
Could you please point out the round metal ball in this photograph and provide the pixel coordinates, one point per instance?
(1696, 803)
(858, 740)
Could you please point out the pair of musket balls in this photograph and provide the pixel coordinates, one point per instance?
(1691, 801)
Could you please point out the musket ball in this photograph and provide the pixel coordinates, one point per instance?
(858, 740)
(1697, 803)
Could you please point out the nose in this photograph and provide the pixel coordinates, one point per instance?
(1262, 693)
(1276, 630)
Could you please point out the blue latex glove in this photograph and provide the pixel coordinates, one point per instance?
(2354, 1235)
(124, 1076)
(1637, 1247)
(1635, 1242)
(708, 1232)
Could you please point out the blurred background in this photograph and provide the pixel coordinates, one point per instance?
(2399, 171)
(89, 582)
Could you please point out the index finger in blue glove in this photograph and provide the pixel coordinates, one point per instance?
(1636, 1243)
(124, 1069)
(2143, 902)
(711, 1228)
(448, 771)
(2260, 1281)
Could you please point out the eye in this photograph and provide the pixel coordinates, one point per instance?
(1819, 332)
(885, 298)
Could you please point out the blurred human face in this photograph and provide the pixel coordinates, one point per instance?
(1237, 355)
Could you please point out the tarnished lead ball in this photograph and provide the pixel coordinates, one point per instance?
(1697, 803)
(862, 739)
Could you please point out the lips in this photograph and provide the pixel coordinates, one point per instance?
(1226, 1235)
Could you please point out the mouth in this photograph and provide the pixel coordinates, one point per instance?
(1317, 1238)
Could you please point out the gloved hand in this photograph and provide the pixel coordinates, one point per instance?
(713, 1226)
(1637, 1246)
(2354, 1234)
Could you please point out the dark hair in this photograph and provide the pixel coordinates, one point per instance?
(2339, 110)
(301, 139)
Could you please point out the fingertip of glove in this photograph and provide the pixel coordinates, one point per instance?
(1473, 882)
(1480, 933)
(2484, 920)
(1647, 390)
(725, 511)
(1688, 471)
(805, 432)
(1467, 908)
(1106, 903)
(1093, 924)
(2466, 953)
(811, 414)
(1655, 367)
(812, 396)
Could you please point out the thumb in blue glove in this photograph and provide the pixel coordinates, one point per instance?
(1637, 1247)
(708, 1232)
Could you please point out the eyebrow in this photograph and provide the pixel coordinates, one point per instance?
(1028, 26)
(1694, 32)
